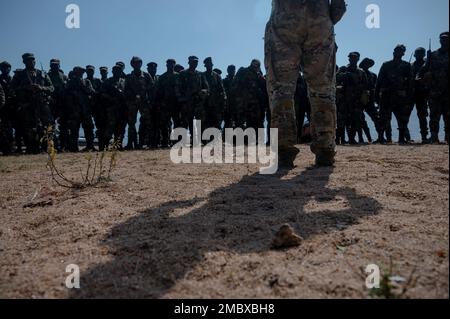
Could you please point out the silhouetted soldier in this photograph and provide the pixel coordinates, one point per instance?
(215, 103)
(394, 93)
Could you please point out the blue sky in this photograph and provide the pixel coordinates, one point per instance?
(231, 31)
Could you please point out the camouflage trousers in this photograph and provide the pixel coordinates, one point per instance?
(422, 113)
(302, 39)
(439, 109)
(133, 108)
(397, 105)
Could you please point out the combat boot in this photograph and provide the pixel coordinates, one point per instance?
(325, 159)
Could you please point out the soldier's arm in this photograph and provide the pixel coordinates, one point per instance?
(48, 86)
(337, 10)
(380, 80)
(2, 97)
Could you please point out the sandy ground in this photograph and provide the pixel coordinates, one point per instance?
(160, 230)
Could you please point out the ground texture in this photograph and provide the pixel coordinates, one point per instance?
(160, 230)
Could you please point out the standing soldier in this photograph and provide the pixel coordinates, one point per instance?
(230, 107)
(79, 111)
(32, 88)
(394, 94)
(436, 75)
(193, 90)
(302, 105)
(370, 108)
(166, 99)
(59, 81)
(94, 100)
(300, 35)
(355, 96)
(7, 110)
(113, 95)
(215, 103)
(251, 96)
(420, 93)
(136, 87)
(151, 126)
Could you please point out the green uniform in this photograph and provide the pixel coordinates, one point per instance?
(215, 103)
(32, 89)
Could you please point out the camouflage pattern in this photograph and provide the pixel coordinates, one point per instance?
(114, 108)
(6, 112)
(57, 105)
(394, 91)
(355, 91)
(302, 106)
(215, 103)
(193, 91)
(251, 98)
(167, 101)
(32, 89)
(421, 99)
(136, 92)
(300, 34)
(151, 128)
(370, 108)
(438, 72)
(79, 112)
(230, 107)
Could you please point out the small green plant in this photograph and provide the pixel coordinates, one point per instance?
(99, 167)
(389, 286)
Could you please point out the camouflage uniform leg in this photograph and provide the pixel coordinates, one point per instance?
(283, 56)
(401, 113)
(132, 111)
(422, 114)
(88, 128)
(436, 113)
(385, 118)
(73, 126)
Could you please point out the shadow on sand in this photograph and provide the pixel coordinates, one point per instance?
(155, 249)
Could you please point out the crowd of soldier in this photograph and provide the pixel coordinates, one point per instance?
(36, 105)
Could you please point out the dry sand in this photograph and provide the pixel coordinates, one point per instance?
(160, 230)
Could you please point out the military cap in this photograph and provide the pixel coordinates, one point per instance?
(90, 67)
(179, 67)
(218, 71)
(135, 59)
(193, 58)
(443, 35)
(103, 68)
(5, 64)
(55, 61)
(121, 64)
(366, 61)
(400, 47)
(152, 64)
(79, 69)
(117, 67)
(357, 54)
(171, 61)
(28, 56)
(207, 60)
(421, 50)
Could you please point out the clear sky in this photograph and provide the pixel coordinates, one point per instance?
(231, 31)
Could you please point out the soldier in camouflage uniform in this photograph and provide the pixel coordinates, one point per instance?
(230, 107)
(343, 121)
(5, 147)
(113, 95)
(302, 105)
(355, 96)
(167, 101)
(79, 112)
(300, 35)
(7, 110)
(151, 128)
(250, 91)
(215, 103)
(370, 108)
(421, 93)
(33, 88)
(394, 93)
(57, 104)
(193, 91)
(136, 87)
(436, 74)
(95, 102)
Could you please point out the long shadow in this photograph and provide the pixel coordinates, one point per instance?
(155, 249)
